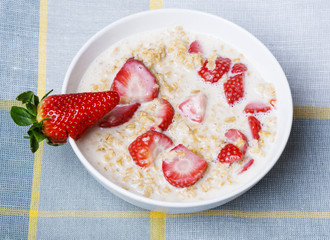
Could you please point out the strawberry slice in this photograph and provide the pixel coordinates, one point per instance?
(194, 107)
(246, 166)
(134, 82)
(256, 107)
(255, 127)
(239, 68)
(165, 112)
(222, 66)
(119, 115)
(195, 47)
(146, 147)
(57, 116)
(182, 168)
(234, 88)
(229, 154)
(234, 135)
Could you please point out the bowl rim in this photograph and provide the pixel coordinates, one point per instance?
(178, 204)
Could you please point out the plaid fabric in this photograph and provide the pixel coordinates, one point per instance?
(50, 195)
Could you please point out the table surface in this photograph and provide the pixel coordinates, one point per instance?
(49, 195)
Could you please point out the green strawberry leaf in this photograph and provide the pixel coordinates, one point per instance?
(31, 108)
(34, 126)
(25, 96)
(46, 94)
(52, 144)
(41, 122)
(34, 145)
(35, 100)
(36, 133)
(21, 116)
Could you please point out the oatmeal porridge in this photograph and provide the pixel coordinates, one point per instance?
(196, 120)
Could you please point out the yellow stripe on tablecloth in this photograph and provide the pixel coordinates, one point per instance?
(42, 49)
(5, 105)
(155, 4)
(156, 216)
(157, 225)
(311, 112)
(94, 214)
(34, 205)
(243, 214)
(14, 212)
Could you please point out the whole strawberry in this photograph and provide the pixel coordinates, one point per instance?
(56, 117)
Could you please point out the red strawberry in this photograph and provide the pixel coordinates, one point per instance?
(58, 116)
(246, 166)
(146, 147)
(195, 47)
(234, 135)
(74, 114)
(239, 68)
(256, 107)
(183, 168)
(230, 153)
(234, 88)
(222, 66)
(119, 115)
(165, 112)
(255, 127)
(194, 107)
(134, 82)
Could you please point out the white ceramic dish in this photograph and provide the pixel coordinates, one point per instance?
(239, 38)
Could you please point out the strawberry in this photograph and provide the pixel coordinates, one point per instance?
(246, 166)
(146, 147)
(238, 68)
(134, 82)
(194, 107)
(235, 135)
(165, 112)
(183, 168)
(234, 89)
(255, 127)
(119, 115)
(195, 47)
(222, 66)
(256, 107)
(229, 154)
(57, 116)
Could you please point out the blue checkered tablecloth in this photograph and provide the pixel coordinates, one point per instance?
(49, 195)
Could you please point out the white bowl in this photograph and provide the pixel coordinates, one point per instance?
(194, 21)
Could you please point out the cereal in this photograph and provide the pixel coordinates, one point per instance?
(230, 119)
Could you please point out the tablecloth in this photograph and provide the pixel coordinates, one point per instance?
(49, 195)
